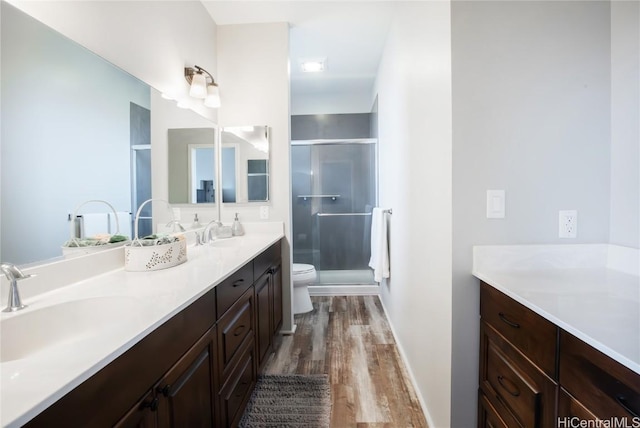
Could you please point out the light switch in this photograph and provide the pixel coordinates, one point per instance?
(495, 203)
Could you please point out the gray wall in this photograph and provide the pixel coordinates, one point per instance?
(625, 130)
(330, 126)
(531, 115)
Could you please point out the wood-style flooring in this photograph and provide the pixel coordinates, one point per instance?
(348, 337)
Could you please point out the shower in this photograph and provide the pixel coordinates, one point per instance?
(333, 193)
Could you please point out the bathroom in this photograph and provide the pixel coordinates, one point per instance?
(433, 172)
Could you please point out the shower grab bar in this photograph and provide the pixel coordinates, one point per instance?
(340, 214)
(305, 197)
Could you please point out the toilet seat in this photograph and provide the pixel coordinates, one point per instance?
(303, 273)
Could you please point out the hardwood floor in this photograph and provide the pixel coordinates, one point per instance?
(349, 338)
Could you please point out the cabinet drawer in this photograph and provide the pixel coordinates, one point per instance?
(604, 386)
(266, 259)
(523, 389)
(569, 409)
(236, 391)
(234, 327)
(233, 287)
(488, 416)
(531, 334)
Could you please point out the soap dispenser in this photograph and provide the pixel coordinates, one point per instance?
(236, 229)
(196, 222)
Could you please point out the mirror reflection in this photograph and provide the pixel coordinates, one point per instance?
(245, 164)
(81, 130)
(192, 176)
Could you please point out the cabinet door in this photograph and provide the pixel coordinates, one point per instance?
(263, 318)
(143, 415)
(187, 391)
(276, 290)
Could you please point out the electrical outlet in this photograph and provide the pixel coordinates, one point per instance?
(264, 212)
(568, 224)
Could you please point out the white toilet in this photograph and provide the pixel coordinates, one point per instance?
(303, 276)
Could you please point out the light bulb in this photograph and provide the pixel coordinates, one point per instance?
(198, 86)
(213, 96)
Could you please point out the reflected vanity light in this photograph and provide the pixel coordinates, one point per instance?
(202, 86)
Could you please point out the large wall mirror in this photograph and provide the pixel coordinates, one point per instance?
(74, 128)
(245, 164)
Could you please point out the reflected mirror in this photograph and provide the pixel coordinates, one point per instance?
(80, 129)
(245, 164)
(192, 171)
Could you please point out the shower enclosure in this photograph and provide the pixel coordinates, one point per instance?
(334, 191)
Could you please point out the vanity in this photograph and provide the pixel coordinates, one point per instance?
(559, 336)
(177, 347)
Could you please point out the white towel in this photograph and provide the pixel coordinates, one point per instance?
(379, 247)
(124, 221)
(94, 224)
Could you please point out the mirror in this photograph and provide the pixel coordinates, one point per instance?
(245, 164)
(192, 169)
(74, 128)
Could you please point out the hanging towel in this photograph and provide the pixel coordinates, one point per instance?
(94, 224)
(124, 221)
(379, 247)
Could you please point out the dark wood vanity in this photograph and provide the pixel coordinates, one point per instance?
(535, 374)
(198, 369)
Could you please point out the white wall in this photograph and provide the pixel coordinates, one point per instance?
(625, 123)
(351, 100)
(152, 40)
(253, 70)
(531, 116)
(414, 113)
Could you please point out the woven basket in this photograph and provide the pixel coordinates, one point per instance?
(141, 258)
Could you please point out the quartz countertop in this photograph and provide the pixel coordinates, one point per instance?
(139, 303)
(597, 304)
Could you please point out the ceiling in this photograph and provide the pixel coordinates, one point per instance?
(349, 34)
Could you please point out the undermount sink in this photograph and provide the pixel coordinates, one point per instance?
(23, 334)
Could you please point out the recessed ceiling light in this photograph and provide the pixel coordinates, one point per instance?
(314, 66)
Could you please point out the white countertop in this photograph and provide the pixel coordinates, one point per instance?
(136, 304)
(597, 304)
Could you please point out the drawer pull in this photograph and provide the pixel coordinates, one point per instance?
(623, 402)
(507, 321)
(238, 283)
(513, 390)
(153, 404)
(164, 390)
(239, 330)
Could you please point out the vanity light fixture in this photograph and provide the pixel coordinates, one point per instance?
(202, 85)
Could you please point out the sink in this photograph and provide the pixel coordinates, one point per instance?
(23, 334)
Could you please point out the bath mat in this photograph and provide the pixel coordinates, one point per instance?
(288, 401)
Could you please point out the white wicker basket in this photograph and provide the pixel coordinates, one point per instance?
(139, 258)
(77, 250)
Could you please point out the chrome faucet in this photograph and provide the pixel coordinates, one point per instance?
(176, 223)
(13, 275)
(206, 233)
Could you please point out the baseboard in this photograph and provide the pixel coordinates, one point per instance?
(289, 332)
(344, 290)
(412, 378)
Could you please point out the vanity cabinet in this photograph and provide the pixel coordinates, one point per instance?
(534, 374)
(596, 384)
(198, 369)
(268, 292)
(518, 380)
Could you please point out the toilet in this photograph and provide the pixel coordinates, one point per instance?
(303, 276)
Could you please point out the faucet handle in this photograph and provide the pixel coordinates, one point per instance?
(13, 272)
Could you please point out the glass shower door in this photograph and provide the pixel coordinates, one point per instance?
(334, 189)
